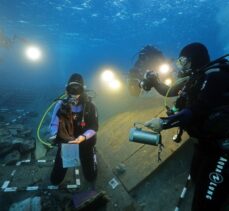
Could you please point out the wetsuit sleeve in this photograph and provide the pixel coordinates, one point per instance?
(180, 119)
(89, 134)
(54, 124)
(163, 89)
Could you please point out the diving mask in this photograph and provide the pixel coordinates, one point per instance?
(74, 88)
(183, 65)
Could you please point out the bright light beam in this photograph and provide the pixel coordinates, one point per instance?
(107, 75)
(33, 53)
(168, 82)
(115, 84)
(164, 68)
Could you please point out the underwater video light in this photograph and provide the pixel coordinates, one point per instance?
(164, 69)
(111, 79)
(115, 84)
(33, 53)
(107, 75)
(168, 81)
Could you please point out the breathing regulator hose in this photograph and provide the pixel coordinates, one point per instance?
(42, 121)
(168, 91)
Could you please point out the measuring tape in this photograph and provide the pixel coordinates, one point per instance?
(5, 186)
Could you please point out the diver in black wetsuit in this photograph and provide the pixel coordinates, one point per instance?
(149, 58)
(203, 111)
(75, 121)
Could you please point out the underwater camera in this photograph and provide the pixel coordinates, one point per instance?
(138, 135)
(150, 77)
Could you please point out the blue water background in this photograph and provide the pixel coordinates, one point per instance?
(86, 35)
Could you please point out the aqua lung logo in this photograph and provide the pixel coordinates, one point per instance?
(204, 84)
(215, 178)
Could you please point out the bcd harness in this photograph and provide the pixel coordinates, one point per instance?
(70, 121)
(193, 86)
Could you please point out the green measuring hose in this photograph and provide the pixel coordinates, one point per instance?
(42, 120)
(167, 93)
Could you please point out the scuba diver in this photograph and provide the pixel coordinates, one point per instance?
(75, 121)
(149, 58)
(201, 109)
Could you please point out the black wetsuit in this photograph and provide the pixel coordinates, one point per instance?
(71, 127)
(203, 102)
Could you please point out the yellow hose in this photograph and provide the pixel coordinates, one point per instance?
(167, 93)
(42, 120)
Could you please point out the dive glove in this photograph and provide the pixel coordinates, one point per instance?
(155, 124)
(150, 79)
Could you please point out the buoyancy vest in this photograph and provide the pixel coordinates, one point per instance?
(210, 120)
(72, 124)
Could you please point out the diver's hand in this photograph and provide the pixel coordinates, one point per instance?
(155, 124)
(78, 140)
(145, 84)
(150, 80)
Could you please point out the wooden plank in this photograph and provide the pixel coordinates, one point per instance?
(145, 161)
(113, 137)
(140, 160)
